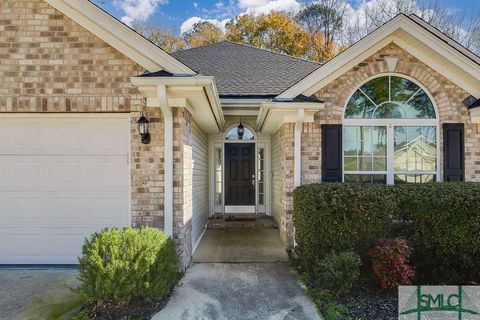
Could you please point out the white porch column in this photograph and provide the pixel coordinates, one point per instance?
(168, 159)
(297, 173)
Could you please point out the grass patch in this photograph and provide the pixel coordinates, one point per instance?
(53, 308)
(325, 300)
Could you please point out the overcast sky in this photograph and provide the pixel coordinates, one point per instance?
(179, 15)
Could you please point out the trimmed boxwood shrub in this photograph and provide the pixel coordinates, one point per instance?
(123, 265)
(340, 217)
(440, 220)
(444, 229)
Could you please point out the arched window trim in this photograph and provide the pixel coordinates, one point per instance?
(390, 74)
(235, 125)
(390, 123)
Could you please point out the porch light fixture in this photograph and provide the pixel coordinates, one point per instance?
(143, 129)
(240, 131)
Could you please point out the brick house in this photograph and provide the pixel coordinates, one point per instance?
(232, 129)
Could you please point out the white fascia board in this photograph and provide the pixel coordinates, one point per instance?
(445, 38)
(119, 36)
(444, 49)
(194, 80)
(475, 115)
(273, 114)
(243, 102)
(371, 44)
(240, 112)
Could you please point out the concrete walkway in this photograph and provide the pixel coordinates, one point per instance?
(239, 274)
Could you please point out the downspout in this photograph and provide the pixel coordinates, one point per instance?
(297, 159)
(297, 173)
(168, 159)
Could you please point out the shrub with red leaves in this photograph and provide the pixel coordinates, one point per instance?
(390, 261)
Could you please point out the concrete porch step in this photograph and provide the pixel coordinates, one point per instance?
(243, 221)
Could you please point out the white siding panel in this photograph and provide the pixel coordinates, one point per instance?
(200, 201)
(276, 200)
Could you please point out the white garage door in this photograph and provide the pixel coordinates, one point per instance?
(61, 179)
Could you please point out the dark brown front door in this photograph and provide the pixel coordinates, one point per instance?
(240, 174)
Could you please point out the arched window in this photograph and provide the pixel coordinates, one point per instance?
(233, 134)
(390, 133)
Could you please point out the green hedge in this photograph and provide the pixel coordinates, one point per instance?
(441, 221)
(123, 265)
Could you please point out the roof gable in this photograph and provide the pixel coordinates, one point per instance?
(447, 57)
(245, 71)
(119, 36)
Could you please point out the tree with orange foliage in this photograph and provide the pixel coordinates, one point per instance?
(275, 31)
(203, 33)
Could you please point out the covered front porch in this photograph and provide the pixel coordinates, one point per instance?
(229, 159)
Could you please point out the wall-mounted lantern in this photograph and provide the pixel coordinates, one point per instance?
(143, 129)
(240, 131)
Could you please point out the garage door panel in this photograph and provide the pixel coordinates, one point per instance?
(61, 180)
(25, 209)
(22, 138)
(108, 143)
(26, 173)
(69, 139)
(69, 174)
(27, 245)
(61, 244)
(3, 245)
(109, 210)
(105, 175)
(68, 211)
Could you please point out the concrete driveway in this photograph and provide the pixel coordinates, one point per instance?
(36, 293)
(239, 274)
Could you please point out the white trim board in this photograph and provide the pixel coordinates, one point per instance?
(239, 209)
(119, 36)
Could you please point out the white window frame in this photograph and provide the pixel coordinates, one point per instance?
(390, 124)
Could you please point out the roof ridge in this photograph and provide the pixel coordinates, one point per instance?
(252, 47)
(271, 51)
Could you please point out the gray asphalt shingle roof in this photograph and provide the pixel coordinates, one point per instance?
(241, 70)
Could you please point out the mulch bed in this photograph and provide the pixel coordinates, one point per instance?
(138, 310)
(370, 303)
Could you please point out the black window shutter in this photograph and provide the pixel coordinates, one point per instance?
(332, 153)
(453, 152)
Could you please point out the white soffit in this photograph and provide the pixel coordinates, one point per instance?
(119, 36)
(410, 36)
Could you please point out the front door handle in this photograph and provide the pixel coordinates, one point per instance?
(253, 180)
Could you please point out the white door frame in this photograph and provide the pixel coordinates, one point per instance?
(217, 142)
